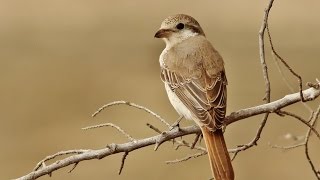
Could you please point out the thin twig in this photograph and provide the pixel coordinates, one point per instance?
(305, 122)
(311, 128)
(262, 52)
(111, 125)
(132, 105)
(286, 64)
(286, 81)
(186, 158)
(288, 147)
(306, 150)
(61, 153)
(267, 96)
(189, 145)
(283, 77)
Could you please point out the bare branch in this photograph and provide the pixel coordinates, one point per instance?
(82, 155)
(306, 139)
(61, 153)
(262, 51)
(308, 94)
(111, 149)
(267, 96)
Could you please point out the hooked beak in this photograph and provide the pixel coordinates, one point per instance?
(163, 33)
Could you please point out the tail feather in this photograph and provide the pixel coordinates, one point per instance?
(218, 154)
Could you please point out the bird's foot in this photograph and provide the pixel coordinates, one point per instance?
(176, 124)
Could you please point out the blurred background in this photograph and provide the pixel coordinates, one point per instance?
(61, 60)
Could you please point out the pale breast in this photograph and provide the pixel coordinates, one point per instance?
(177, 104)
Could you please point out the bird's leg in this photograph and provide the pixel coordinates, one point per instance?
(176, 124)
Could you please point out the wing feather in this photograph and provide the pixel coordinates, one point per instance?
(205, 95)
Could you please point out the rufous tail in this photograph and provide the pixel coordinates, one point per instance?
(218, 154)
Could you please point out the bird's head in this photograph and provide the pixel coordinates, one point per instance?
(177, 28)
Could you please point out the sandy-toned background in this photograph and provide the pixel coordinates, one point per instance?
(61, 60)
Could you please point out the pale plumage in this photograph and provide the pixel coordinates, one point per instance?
(195, 81)
(193, 71)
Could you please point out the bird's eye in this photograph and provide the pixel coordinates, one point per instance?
(180, 26)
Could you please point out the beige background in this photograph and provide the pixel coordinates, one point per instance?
(61, 60)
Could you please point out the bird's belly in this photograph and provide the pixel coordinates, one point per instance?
(178, 105)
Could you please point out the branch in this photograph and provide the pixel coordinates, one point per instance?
(267, 96)
(311, 126)
(309, 95)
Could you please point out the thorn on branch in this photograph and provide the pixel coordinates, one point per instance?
(122, 161)
(234, 155)
(74, 166)
(154, 128)
(160, 140)
(195, 141)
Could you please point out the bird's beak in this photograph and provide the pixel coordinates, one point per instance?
(163, 33)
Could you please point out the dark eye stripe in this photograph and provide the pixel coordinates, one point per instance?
(195, 29)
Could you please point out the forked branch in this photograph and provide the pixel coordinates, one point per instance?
(41, 169)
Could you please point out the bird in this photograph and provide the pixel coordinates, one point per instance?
(194, 77)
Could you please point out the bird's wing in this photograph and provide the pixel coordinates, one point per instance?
(199, 81)
(205, 95)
